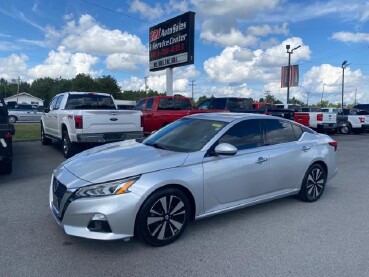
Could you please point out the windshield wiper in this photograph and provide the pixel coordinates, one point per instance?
(156, 145)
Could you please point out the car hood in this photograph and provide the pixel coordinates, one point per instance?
(120, 160)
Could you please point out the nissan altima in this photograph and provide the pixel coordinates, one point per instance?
(195, 167)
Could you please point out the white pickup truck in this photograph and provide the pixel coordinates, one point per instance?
(357, 121)
(320, 121)
(85, 117)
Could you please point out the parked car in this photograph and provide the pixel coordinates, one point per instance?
(195, 167)
(159, 111)
(357, 121)
(6, 139)
(76, 118)
(25, 112)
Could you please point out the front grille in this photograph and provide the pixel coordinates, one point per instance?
(61, 198)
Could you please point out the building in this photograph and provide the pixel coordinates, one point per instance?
(24, 98)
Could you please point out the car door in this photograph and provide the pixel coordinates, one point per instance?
(289, 157)
(232, 180)
(49, 118)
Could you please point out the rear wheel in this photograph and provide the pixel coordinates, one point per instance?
(69, 148)
(313, 184)
(163, 217)
(44, 139)
(346, 129)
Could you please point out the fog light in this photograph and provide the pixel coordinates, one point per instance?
(99, 217)
(99, 223)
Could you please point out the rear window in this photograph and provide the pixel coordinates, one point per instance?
(174, 104)
(89, 102)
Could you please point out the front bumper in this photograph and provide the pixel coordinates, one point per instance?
(107, 137)
(75, 215)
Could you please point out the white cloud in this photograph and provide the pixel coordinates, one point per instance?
(89, 37)
(13, 66)
(351, 37)
(125, 61)
(243, 9)
(62, 63)
(235, 64)
(266, 29)
(145, 10)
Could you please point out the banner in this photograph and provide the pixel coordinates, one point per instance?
(294, 76)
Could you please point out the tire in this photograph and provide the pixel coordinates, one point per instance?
(163, 217)
(6, 166)
(313, 185)
(69, 148)
(44, 139)
(12, 119)
(346, 129)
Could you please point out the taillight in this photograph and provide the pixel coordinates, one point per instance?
(8, 136)
(319, 117)
(78, 121)
(334, 144)
(362, 119)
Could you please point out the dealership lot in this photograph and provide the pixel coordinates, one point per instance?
(286, 237)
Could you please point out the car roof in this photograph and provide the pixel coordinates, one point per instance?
(228, 117)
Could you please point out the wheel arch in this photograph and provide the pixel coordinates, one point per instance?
(322, 164)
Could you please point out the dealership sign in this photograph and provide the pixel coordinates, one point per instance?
(172, 42)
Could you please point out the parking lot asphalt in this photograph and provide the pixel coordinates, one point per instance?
(285, 237)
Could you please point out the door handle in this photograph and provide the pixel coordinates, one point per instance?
(305, 148)
(261, 160)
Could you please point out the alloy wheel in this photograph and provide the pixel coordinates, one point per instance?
(315, 183)
(166, 218)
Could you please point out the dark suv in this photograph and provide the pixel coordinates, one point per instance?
(6, 136)
(362, 107)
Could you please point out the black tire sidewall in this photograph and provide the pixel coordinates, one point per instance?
(141, 226)
(303, 194)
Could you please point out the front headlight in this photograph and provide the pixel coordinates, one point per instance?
(108, 188)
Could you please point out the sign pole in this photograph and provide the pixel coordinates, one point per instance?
(169, 73)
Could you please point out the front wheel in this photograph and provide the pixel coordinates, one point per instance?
(313, 184)
(69, 148)
(163, 217)
(44, 139)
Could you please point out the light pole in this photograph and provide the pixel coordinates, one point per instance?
(344, 65)
(289, 69)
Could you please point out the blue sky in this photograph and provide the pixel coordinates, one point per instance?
(239, 45)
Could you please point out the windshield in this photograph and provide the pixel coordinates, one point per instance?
(185, 135)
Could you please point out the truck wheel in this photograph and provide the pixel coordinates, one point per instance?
(346, 129)
(44, 139)
(69, 148)
(6, 167)
(12, 119)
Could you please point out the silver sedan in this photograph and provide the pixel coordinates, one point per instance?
(196, 167)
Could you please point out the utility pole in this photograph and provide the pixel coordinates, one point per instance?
(192, 85)
(146, 86)
(18, 81)
(355, 96)
(307, 102)
(289, 69)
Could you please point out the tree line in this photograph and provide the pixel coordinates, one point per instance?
(46, 88)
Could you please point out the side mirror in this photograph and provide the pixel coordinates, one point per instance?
(225, 149)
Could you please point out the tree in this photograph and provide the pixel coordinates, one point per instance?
(83, 82)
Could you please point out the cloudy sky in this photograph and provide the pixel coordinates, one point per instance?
(240, 45)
